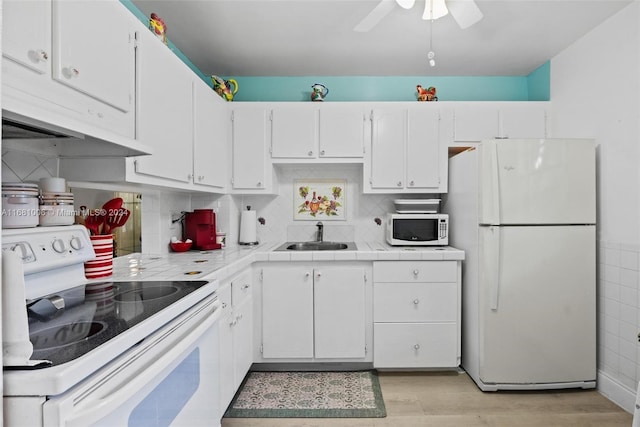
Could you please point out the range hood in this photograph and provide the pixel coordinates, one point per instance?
(65, 138)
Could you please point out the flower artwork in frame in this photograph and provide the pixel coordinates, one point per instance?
(319, 199)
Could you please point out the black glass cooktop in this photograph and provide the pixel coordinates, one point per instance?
(108, 309)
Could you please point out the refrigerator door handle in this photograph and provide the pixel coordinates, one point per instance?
(495, 187)
(495, 288)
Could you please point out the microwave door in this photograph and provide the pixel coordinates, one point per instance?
(415, 230)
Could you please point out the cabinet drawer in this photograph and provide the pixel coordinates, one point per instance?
(415, 302)
(414, 271)
(240, 287)
(415, 345)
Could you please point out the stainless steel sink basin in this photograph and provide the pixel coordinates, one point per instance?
(317, 246)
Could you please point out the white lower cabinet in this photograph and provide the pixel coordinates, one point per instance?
(314, 311)
(416, 306)
(236, 334)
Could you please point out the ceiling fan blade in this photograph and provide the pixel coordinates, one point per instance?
(376, 15)
(465, 12)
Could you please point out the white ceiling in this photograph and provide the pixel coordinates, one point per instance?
(316, 37)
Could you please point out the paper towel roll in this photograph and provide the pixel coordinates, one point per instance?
(16, 347)
(248, 222)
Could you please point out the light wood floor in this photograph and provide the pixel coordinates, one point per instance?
(448, 399)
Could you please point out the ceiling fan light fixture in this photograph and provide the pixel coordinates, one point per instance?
(434, 9)
(406, 4)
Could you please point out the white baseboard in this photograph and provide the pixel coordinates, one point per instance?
(618, 393)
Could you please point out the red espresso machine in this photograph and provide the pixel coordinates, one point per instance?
(200, 227)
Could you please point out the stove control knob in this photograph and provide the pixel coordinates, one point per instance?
(59, 246)
(76, 243)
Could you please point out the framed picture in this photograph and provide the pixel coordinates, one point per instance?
(319, 199)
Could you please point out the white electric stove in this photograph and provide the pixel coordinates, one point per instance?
(79, 352)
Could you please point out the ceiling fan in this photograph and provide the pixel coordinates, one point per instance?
(464, 12)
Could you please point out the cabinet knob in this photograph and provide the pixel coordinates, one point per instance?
(399, 184)
(310, 153)
(224, 305)
(416, 301)
(411, 183)
(322, 152)
(189, 177)
(259, 184)
(416, 272)
(307, 274)
(71, 72)
(417, 346)
(200, 177)
(41, 55)
(245, 287)
(318, 274)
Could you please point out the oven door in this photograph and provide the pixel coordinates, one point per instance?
(168, 378)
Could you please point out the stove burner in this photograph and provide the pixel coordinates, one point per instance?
(146, 294)
(64, 335)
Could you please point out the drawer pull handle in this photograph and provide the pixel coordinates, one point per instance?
(417, 346)
(415, 272)
(416, 301)
(245, 287)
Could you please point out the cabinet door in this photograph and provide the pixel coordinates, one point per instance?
(423, 149)
(164, 114)
(342, 131)
(475, 123)
(93, 47)
(249, 140)
(209, 137)
(243, 339)
(294, 132)
(287, 312)
(339, 312)
(387, 148)
(27, 33)
(226, 380)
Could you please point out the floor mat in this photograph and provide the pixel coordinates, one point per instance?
(351, 394)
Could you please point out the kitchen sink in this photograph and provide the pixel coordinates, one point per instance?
(317, 246)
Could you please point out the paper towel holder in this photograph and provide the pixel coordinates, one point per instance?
(248, 228)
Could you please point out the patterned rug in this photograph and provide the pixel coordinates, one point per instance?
(308, 395)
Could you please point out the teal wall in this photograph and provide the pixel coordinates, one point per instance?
(539, 83)
(533, 87)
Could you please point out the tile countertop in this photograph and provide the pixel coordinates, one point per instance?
(223, 263)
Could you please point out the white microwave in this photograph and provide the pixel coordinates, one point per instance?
(420, 229)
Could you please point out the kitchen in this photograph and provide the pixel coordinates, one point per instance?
(609, 116)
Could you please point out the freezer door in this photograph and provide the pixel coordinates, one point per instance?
(537, 304)
(537, 181)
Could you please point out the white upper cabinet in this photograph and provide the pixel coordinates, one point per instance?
(474, 122)
(251, 169)
(342, 131)
(294, 132)
(164, 113)
(407, 153)
(389, 134)
(27, 30)
(70, 64)
(335, 132)
(210, 122)
(93, 50)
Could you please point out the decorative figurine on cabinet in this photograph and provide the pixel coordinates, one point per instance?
(319, 92)
(223, 88)
(159, 28)
(426, 94)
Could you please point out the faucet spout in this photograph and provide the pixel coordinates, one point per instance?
(320, 231)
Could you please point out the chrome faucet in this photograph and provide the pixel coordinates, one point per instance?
(320, 231)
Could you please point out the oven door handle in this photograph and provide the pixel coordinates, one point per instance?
(116, 387)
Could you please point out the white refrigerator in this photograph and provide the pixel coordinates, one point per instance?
(524, 211)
